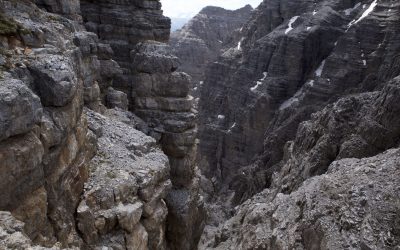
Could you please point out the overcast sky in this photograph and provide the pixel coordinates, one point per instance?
(189, 8)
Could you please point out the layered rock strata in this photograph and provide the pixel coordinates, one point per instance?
(51, 67)
(161, 99)
(292, 59)
(330, 211)
(45, 143)
(322, 91)
(123, 206)
(157, 94)
(122, 25)
(201, 40)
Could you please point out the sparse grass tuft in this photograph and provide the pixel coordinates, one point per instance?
(7, 26)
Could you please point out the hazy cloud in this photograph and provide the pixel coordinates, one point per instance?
(189, 8)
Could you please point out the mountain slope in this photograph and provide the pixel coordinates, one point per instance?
(259, 121)
(200, 41)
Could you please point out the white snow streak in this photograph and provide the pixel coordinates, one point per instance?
(233, 126)
(318, 72)
(291, 22)
(265, 76)
(365, 14)
(256, 86)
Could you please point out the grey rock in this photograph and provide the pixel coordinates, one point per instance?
(20, 108)
(153, 57)
(129, 178)
(54, 80)
(117, 99)
(330, 211)
(203, 38)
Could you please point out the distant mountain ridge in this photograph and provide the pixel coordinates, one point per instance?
(200, 40)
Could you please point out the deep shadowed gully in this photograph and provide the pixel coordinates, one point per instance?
(269, 128)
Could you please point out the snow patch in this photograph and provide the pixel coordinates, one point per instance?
(310, 83)
(265, 74)
(233, 126)
(288, 103)
(365, 62)
(308, 28)
(318, 72)
(239, 46)
(201, 82)
(221, 117)
(314, 12)
(365, 14)
(291, 22)
(256, 86)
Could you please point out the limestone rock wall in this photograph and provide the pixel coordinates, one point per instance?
(45, 144)
(294, 58)
(162, 100)
(122, 25)
(158, 94)
(87, 180)
(317, 83)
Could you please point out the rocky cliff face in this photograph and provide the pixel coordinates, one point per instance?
(307, 56)
(86, 178)
(158, 94)
(316, 81)
(299, 128)
(201, 40)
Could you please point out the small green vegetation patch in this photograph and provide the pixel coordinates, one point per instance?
(7, 26)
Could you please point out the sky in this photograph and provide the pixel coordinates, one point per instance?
(189, 8)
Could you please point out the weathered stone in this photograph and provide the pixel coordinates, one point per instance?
(54, 80)
(138, 240)
(20, 108)
(203, 38)
(129, 178)
(154, 57)
(129, 215)
(330, 211)
(176, 84)
(117, 99)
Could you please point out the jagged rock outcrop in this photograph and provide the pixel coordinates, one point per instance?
(122, 25)
(123, 202)
(89, 179)
(45, 144)
(12, 234)
(330, 211)
(161, 99)
(306, 56)
(158, 94)
(201, 40)
(319, 84)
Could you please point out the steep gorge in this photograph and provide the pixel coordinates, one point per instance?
(298, 119)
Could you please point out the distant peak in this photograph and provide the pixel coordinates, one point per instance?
(214, 9)
(211, 9)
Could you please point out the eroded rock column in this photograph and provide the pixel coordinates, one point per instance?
(162, 100)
